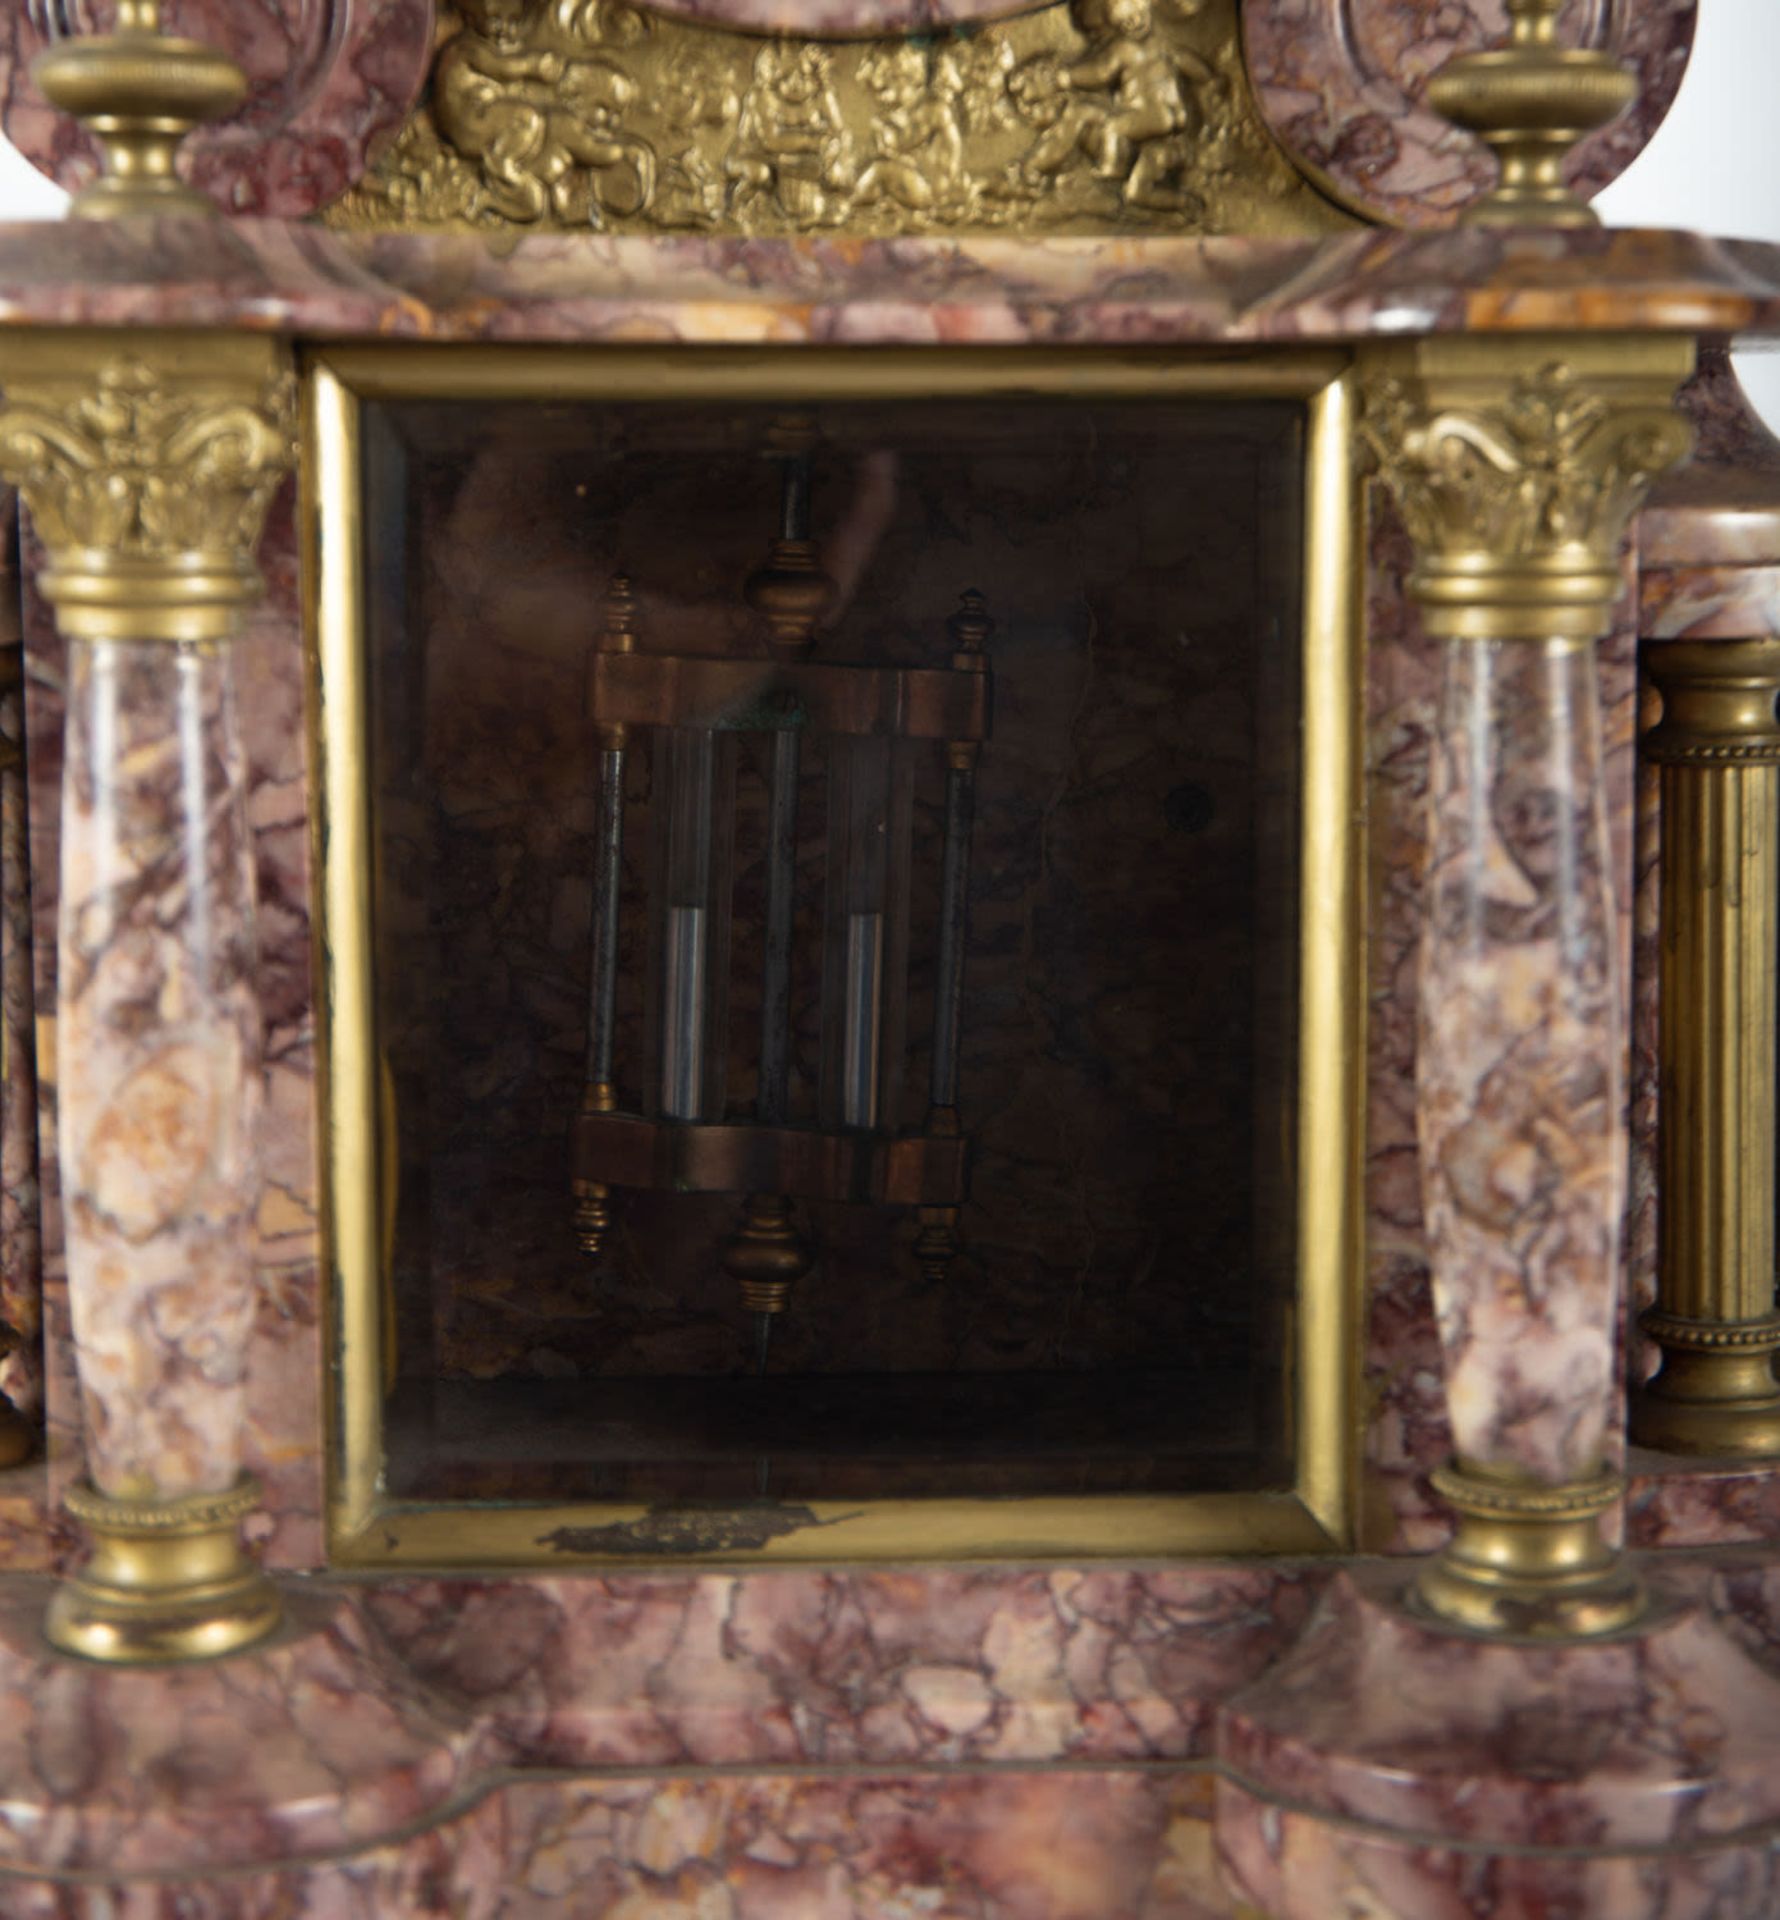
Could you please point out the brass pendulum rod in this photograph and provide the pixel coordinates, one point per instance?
(1530, 102)
(593, 1198)
(936, 1244)
(766, 1256)
(1718, 745)
(774, 1100)
(139, 92)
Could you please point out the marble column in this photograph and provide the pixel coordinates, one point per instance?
(148, 471)
(1517, 465)
(158, 1051)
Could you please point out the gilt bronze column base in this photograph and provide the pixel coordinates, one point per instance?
(1528, 1560)
(168, 1580)
(1716, 1393)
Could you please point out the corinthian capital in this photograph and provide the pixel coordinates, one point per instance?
(1517, 463)
(148, 465)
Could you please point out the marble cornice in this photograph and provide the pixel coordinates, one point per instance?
(288, 278)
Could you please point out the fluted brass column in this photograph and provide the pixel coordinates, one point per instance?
(1718, 745)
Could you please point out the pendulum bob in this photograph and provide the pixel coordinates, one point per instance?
(766, 1256)
(791, 594)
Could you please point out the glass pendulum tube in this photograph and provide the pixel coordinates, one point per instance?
(774, 1100)
(689, 770)
(860, 835)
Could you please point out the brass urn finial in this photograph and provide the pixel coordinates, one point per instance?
(1531, 101)
(140, 91)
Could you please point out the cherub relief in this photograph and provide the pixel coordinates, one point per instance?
(1123, 103)
(917, 133)
(544, 127)
(692, 97)
(790, 143)
(570, 112)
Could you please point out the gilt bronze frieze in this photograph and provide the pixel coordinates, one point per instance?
(1089, 116)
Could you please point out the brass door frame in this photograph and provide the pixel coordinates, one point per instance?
(366, 1528)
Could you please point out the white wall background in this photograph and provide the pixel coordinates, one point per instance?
(1714, 164)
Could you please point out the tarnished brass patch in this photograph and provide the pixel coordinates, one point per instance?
(1090, 116)
(690, 1530)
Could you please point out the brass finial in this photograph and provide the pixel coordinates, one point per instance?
(593, 1198)
(140, 91)
(619, 632)
(791, 592)
(1531, 101)
(969, 629)
(766, 1255)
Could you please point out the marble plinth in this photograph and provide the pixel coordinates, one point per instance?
(321, 1742)
(1018, 1745)
(1392, 1767)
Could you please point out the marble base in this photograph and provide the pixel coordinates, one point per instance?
(1022, 1746)
(1298, 1866)
(318, 1741)
(1390, 1767)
